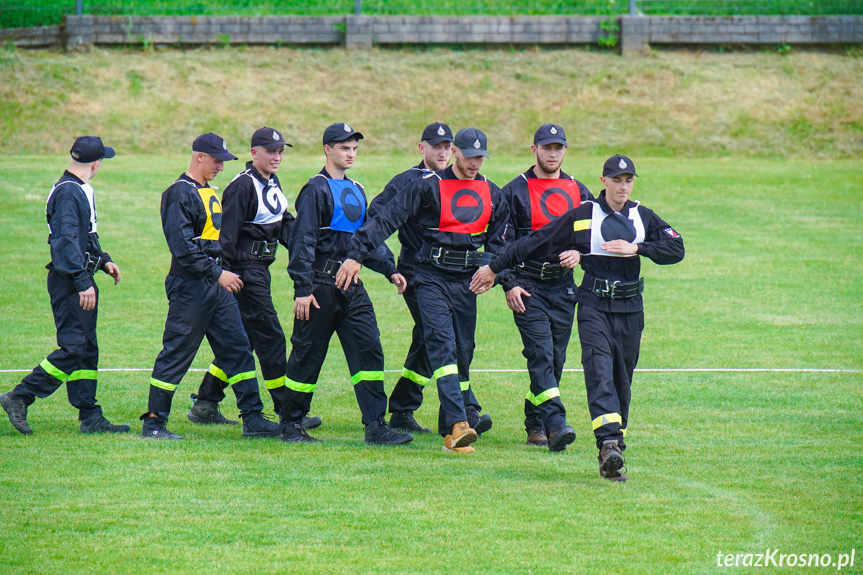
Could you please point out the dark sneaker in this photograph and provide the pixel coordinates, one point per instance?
(311, 422)
(379, 433)
(257, 425)
(558, 440)
(611, 461)
(296, 433)
(477, 422)
(537, 437)
(17, 410)
(207, 412)
(156, 428)
(99, 424)
(405, 421)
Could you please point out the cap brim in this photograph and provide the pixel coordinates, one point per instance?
(548, 141)
(473, 152)
(619, 173)
(438, 139)
(276, 145)
(224, 156)
(109, 152)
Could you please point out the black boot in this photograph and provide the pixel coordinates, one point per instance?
(17, 410)
(379, 433)
(312, 422)
(156, 427)
(477, 422)
(558, 440)
(96, 423)
(296, 433)
(256, 425)
(405, 420)
(207, 412)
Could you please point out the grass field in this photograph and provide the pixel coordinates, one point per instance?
(730, 462)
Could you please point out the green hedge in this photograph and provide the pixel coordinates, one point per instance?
(50, 12)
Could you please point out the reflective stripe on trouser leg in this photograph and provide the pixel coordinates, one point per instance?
(213, 384)
(232, 352)
(407, 394)
(360, 338)
(545, 328)
(443, 307)
(609, 343)
(161, 395)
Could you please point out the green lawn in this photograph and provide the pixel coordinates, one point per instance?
(731, 462)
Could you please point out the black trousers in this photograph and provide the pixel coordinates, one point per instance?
(407, 395)
(545, 327)
(609, 352)
(351, 316)
(201, 307)
(77, 359)
(448, 312)
(265, 336)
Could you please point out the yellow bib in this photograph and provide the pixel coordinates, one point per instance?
(214, 214)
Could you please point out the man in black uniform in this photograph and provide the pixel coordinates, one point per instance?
(407, 395)
(255, 221)
(199, 295)
(75, 257)
(612, 232)
(330, 208)
(458, 211)
(541, 292)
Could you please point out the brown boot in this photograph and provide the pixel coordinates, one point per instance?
(537, 437)
(461, 435)
(468, 449)
(611, 461)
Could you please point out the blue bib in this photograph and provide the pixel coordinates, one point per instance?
(349, 206)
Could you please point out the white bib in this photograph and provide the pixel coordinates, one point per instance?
(597, 239)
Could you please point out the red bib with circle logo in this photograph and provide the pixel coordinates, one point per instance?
(465, 206)
(550, 199)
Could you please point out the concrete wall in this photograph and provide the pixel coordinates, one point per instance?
(636, 32)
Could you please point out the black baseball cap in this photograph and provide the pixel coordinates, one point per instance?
(269, 139)
(549, 134)
(436, 133)
(616, 165)
(339, 132)
(214, 145)
(88, 149)
(471, 142)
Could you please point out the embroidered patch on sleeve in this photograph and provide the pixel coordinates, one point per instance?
(671, 232)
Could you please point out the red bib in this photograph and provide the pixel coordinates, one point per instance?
(550, 199)
(465, 206)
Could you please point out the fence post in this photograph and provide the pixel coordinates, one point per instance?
(358, 7)
(633, 9)
(79, 7)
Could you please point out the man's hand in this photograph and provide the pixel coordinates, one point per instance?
(400, 281)
(482, 280)
(87, 298)
(302, 305)
(514, 301)
(349, 272)
(570, 258)
(112, 270)
(230, 281)
(620, 247)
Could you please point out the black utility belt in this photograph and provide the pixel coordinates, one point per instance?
(92, 264)
(613, 289)
(460, 258)
(543, 271)
(264, 249)
(327, 266)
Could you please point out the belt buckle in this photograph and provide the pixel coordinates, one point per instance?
(436, 254)
(332, 267)
(467, 254)
(542, 271)
(267, 251)
(612, 291)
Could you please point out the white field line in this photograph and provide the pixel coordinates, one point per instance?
(573, 370)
